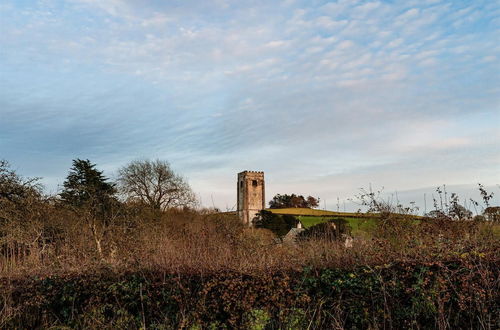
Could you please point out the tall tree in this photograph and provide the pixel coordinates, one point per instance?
(154, 183)
(85, 185)
(89, 193)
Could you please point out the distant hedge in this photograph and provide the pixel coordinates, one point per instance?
(458, 294)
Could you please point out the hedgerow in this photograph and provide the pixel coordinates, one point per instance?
(461, 293)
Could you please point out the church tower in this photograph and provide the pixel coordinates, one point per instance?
(251, 195)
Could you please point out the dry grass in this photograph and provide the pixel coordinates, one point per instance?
(195, 268)
(197, 243)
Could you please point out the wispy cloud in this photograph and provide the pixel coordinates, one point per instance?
(302, 90)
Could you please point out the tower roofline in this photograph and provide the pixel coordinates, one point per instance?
(259, 172)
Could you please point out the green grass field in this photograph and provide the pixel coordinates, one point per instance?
(362, 224)
(360, 227)
(320, 213)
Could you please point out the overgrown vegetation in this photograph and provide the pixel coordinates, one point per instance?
(332, 230)
(279, 224)
(185, 268)
(454, 294)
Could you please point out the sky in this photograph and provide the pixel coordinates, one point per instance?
(325, 97)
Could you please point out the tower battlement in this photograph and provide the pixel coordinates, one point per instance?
(251, 195)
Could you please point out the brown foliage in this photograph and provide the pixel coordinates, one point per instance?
(50, 240)
(207, 268)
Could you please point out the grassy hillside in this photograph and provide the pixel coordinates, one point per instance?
(362, 224)
(360, 227)
(320, 213)
(324, 213)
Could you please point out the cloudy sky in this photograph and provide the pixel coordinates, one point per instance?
(324, 96)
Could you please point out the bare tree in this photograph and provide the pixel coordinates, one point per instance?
(155, 184)
(13, 187)
(23, 210)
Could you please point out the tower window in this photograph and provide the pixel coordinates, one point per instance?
(241, 184)
(254, 183)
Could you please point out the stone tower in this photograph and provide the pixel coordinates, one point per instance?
(251, 195)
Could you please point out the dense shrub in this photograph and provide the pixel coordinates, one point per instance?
(463, 293)
(332, 230)
(277, 223)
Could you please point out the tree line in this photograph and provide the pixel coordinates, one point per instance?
(151, 183)
(88, 195)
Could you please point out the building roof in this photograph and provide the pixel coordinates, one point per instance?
(291, 236)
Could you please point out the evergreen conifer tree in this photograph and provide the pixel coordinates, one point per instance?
(86, 186)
